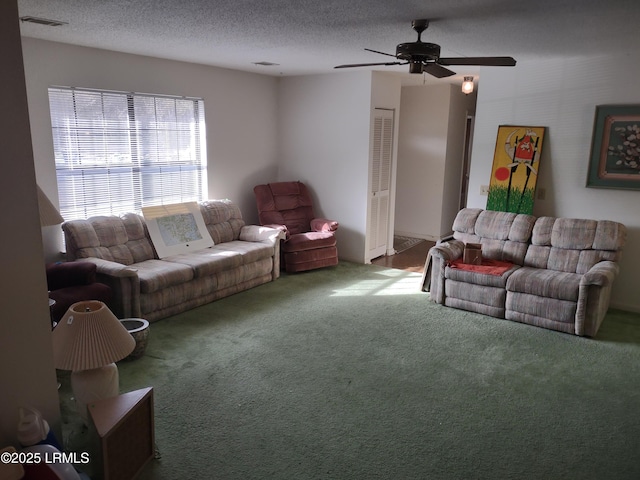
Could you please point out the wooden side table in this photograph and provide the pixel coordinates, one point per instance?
(125, 427)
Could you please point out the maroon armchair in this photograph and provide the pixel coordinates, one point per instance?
(71, 282)
(310, 242)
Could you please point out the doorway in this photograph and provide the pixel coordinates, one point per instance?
(380, 168)
(466, 161)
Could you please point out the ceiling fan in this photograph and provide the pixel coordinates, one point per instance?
(425, 57)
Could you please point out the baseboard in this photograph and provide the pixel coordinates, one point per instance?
(625, 307)
(447, 237)
(431, 238)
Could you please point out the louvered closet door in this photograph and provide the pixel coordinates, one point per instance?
(380, 168)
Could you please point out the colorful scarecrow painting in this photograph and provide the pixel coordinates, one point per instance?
(515, 169)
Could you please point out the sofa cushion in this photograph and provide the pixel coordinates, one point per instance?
(504, 236)
(504, 250)
(541, 311)
(112, 234)
(574, 245)
(223, 220)
(522, 228)
(504, 226)
(465, 221)
(545, 283)
(223, 257)
(208, 261)
(475, 294)
(572, 233)
(309, 241)
(117, 239)
(155, 274)
(138, 240)
(609, 235)
(82, 242)
(476, 278)
(249, 252)
(494, 225)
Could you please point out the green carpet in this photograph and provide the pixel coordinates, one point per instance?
(350, 372)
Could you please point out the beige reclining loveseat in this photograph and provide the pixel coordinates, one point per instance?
(557, 272)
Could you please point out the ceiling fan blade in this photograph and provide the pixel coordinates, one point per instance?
(487, 61)
(437, 71)
(381, 53)
(370, 64)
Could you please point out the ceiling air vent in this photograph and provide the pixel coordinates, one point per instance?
(265, 64)
(43, 21)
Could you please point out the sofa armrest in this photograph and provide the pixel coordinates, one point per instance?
(257, 233)
(324, 225)
(601, 274)
(448, 251)
(594, 293)
(107, 267)
(438, 258)
(124, 283)
(269, 235)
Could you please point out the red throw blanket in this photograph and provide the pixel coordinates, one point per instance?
(489, 267)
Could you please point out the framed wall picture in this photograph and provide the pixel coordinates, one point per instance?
(514, 173)
(615, 148)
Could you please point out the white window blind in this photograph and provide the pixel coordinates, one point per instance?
(117, 152)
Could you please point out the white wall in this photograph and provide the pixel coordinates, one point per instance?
(27, 376)
(324, 142)
(422, 149)
(240, 110)
(430, 154)
(562, 95)
(460, 106)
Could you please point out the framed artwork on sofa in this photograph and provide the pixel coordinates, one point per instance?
(177, 228)
(615, 148)
(514, 173)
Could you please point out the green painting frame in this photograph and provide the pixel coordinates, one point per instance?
(514, 173)
(615, 148)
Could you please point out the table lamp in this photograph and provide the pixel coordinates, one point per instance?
(49, 215)
(88, 340)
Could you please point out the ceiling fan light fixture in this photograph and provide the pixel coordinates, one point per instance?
(416, 67)
(467, 85)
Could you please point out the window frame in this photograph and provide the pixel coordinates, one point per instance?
(145, 156)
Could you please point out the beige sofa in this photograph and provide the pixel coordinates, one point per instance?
(557, 272)
(145, 286)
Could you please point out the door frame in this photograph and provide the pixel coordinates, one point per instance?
(466, 160)
(389, 250)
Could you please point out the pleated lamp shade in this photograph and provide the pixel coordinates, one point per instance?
(49, 215)
(89, 336)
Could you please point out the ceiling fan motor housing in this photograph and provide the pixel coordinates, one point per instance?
(418, 52)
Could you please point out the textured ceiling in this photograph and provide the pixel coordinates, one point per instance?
(312, 36)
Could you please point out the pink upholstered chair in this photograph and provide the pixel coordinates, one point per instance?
(310, 241)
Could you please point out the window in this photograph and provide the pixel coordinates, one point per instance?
(117, 152)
